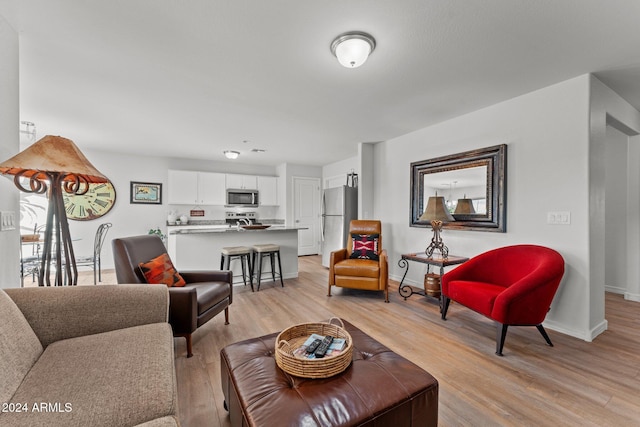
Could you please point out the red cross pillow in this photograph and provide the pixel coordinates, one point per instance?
(365, 246)
(161, 270)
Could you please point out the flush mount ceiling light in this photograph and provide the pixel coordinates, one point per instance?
(353, 48)
(231, 154)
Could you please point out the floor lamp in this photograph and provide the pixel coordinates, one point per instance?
(50, 166)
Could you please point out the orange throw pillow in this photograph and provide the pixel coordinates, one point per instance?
(161, 270)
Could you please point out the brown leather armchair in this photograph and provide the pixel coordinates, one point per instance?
(205, 295)
(356, 273)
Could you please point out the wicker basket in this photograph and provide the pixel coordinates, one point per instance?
(294, 336)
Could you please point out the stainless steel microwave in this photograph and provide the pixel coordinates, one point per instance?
(242, 198)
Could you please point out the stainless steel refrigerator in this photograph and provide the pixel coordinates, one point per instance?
(339, 207)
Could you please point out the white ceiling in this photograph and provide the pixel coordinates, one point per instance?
(191, 78)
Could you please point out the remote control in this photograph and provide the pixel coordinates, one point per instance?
(314, 345)
(323, 347)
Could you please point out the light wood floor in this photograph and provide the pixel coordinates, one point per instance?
(574, 383)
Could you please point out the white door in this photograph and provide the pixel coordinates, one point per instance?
(306, 214)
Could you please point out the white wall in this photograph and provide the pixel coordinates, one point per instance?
(608, 108)
(616, 189)
(9, 146)
(546, 132)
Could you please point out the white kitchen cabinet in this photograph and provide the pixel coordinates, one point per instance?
(268, 188)
(245, 182)
(200, 188)
(211, 188)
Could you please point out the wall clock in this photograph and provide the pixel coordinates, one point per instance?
(96, 202)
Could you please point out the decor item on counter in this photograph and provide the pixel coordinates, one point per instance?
(96, 202)
(184, 219)
(171, 217)
(353, 48)
(54, 165)
(353, 177)
(437, 213)
(231, 155)
(196, 212)
(146, 193)
(464, 207)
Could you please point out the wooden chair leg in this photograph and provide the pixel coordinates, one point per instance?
(226, 316)
(501, 334)
(329, 291)
(386, 294)
(189, 345)
(544, 334)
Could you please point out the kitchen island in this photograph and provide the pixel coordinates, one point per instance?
(198, 248)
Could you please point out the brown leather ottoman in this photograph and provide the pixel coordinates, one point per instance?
(380, 388)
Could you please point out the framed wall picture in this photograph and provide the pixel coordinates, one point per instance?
(146, 193)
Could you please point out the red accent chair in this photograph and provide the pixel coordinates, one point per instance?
(513, 285)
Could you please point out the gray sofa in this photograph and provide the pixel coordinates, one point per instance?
(87, 356)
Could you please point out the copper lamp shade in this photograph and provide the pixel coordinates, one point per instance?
(51, 165)
(437, 213)
(464, 206)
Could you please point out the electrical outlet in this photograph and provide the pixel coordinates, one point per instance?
(559, 218)
(7, 221)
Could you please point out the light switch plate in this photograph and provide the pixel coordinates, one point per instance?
(559, 218)
(7, 220)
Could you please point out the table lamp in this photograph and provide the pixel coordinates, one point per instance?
(51, 165)
(437, 213)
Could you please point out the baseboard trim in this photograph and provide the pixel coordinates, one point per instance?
(632, 297)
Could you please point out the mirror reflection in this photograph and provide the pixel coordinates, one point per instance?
(467, 186)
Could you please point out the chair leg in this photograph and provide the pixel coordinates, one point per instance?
(544, 334)
(445, 306)
(244, 270)
(501, 334)
(226, 316)
(280, 269)
(250, 268)
(273, 265)
(329, 290)
(189, 345)
(259, 274)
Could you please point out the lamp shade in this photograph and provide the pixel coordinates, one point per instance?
(436, 210)
(464, 206)
(52, 154)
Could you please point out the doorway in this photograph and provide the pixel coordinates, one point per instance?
(306, 214)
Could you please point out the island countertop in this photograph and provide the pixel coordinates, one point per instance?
(199, 247)
(234, 229)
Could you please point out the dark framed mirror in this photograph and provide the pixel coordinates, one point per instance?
(473, 184)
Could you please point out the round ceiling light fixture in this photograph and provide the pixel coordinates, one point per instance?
(229, 154)
(353, 48)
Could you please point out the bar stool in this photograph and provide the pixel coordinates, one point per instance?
(229, 253)
(259, 252)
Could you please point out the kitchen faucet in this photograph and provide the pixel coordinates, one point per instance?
(246, 221)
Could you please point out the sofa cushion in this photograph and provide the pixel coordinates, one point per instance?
(160, 270)
(116, 378)
(19, 347)
(357, 267)
(365, 246)
(478, 296)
